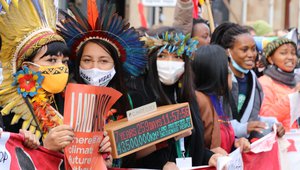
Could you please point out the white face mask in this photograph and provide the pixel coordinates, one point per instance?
(96, 76)
(169, 72)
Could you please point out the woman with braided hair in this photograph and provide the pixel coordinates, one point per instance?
(246, 94)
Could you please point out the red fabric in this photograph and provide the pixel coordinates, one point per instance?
(227, 137)
(142, 16)
(292, 147)
(262, 160)
(20, 157)
(195, 10)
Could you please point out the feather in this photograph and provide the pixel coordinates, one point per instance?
(27, 123)
(4, 5)
(38, 8)
(79, 17)
(92, 12)
(108, 26)
(32, 129)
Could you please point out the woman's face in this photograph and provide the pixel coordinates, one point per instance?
(94, 56)
(47, 60)
(284, 57)
(244, 51)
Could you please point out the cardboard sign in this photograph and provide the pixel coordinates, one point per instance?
(165, 123)
(85, 111)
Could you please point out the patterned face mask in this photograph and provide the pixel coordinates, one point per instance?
(55, 77)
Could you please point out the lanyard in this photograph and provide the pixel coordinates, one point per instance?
(180, 149)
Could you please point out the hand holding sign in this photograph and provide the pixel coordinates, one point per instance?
(86, 109)
(59, 137)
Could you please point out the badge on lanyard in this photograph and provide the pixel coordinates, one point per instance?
(182, 161)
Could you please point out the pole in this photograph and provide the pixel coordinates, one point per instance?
(271, 12)
(244, 12)
(210, 16)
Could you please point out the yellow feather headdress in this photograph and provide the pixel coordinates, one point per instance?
(25, 26)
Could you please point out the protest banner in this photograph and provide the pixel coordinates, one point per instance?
(293, 152)
(166, 122)
(14, 155)
(86, 108)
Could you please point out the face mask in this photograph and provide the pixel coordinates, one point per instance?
(96, 76)
(236, 66)
(55, 77)
(169, 72)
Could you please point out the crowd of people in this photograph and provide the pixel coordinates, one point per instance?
(212, 71)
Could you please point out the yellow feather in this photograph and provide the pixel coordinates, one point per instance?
(6, 110)
(32, 129)
(5, 5)
(26, 123)
(16, 119)
(38, 134)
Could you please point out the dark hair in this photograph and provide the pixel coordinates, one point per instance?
(198, 21)
(249, 28)
(225, 34)
(53, 48)
(185, 93)
(142, 30)
(210, 67)
(117, 82)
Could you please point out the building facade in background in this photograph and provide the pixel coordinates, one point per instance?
(280, 14)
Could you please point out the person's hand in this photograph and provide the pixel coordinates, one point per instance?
(105, 149)
(105, 145)
(243, 144)
(170, 166)
(256, 126)
(59, 137)
(219, 150)
(108, 161)
(30, 140)
(214, 159)
(185, 134)
(280, 130)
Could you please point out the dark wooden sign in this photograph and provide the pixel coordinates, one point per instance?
(130, 136)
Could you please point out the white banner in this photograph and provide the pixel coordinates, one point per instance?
(171, 3)
(293, 154)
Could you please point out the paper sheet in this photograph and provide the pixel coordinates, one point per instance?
(294, 107)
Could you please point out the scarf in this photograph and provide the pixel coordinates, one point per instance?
(281, 76)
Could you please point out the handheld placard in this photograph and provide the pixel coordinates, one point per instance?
(85, 110)
(166, 122)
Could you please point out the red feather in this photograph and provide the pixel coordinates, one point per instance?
(92, 12)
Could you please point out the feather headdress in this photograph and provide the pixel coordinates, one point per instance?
(177, 43)
(106, 25)
(25, 26)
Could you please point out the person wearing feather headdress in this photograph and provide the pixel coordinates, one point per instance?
(104, 50)
(32, 57)
(168, 81)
